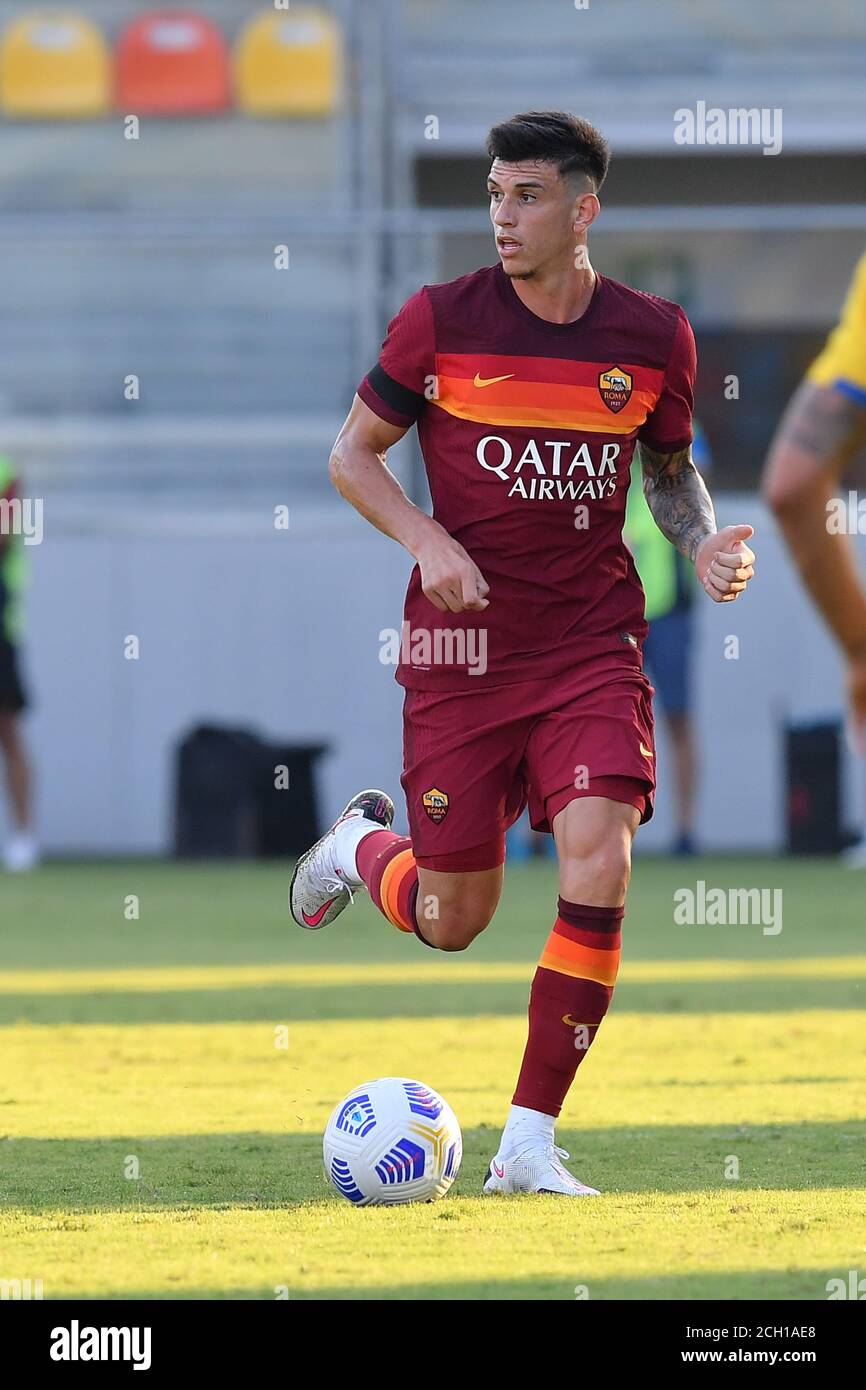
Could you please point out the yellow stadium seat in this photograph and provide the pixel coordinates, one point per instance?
(288, 64)
(54, 63)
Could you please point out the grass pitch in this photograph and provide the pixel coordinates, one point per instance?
(157, 1140)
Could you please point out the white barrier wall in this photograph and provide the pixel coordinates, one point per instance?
(279, 630)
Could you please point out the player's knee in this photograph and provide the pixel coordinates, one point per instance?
(457, 928)
(8, 730)
(454, 937)
(604, 870)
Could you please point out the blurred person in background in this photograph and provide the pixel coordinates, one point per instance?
(20, 852)
(818, 437)
(670, 586)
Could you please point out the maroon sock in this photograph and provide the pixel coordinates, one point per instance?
(570, 994)
(386, 865)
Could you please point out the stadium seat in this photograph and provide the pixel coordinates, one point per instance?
(172, 63)
(54, 64)
(288, 64)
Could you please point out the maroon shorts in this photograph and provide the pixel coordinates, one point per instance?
(472, 759)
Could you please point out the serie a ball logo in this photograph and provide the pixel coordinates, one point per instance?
(391, 1141)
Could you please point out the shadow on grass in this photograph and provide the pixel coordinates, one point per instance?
(808, 1285)
(65, 1179)
(410, 998)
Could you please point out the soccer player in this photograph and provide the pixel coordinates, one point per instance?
(529, 383)
(818, 436)
(20, 853)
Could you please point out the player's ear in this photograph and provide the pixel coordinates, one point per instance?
(586, 210)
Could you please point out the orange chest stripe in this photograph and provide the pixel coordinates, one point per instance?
(538, 403)
(547, 371)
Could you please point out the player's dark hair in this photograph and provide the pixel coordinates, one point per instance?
(567, 141)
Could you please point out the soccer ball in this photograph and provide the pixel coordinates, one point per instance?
(392, 1140)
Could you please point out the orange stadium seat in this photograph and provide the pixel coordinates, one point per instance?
(172, 63)
(54, 63)
(288, 64)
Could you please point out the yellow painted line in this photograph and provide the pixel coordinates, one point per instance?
(457, 970)
(801, 968)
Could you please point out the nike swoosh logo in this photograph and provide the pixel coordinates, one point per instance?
(647, 752)
(500, 1172)
(490, 380)
(572, 1022)
(317, 917)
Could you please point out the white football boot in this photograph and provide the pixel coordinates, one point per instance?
(854, 857)
(536, 1168)
(21, 853)
(325, 877)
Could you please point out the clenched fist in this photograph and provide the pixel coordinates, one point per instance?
(724, 563)
(450, 578)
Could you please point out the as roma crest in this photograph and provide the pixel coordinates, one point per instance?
(615, 387)
(436, 804)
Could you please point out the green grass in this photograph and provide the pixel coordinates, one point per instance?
(153, 1042)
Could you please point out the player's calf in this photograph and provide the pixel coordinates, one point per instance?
(571, 991)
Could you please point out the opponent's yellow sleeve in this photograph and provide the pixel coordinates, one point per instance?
(842, 361)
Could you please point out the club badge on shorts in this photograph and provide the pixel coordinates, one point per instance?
(615, 387)
(436, 804)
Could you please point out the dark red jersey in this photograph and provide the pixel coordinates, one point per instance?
(527, 430)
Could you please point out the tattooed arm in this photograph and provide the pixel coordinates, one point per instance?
(677, 496)
(819, 434)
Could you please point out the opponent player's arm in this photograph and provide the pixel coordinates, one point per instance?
(821, 430)
(358, 470)
(677, 496)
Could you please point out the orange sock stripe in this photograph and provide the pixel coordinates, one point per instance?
(581, 962)
(395, 874)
